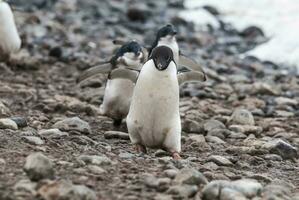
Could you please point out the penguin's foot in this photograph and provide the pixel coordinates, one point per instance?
(176, 156)
(140, 148)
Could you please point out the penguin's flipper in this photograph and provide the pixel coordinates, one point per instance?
(191, 76)
(124, 74)
(189, 63)
(103, 69)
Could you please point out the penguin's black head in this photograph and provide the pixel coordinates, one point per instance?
(129, 53)
(162, 56)
(165, 31)
(166, 34)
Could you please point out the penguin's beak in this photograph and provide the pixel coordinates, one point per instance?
(173, 32)
(161, 64)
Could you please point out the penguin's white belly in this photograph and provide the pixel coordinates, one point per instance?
(154, 119)
(10, 41)
(117, 98)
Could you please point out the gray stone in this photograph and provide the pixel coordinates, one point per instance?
(213, 124)
(190, 176)
(25, 188)
(20, 121)
(94, 169)
(6, 123)
(2, 161)
(214, 139)
(38, 167)
(62, 189)
(95, 160)
(220, 160)
(33, 140)
(116, 135)
(231, 194)
(246, 129)
(212, 190)
(52, 133)
(150, 181)
(199, 140)
(248, 187)
(282, 148)
(171, 173)
(192, 126)
(243, 117)
(221, 133)
(183, 190)
(4, 111)
(126, 155)
(73, 124)
(286, 101)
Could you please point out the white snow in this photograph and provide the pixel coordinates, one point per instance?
(279, 19)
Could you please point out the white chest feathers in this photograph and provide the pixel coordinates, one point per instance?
(10, 41)
(154, 119)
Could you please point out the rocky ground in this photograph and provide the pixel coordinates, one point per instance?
(240, 128)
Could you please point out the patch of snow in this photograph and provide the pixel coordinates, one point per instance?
(279, 19)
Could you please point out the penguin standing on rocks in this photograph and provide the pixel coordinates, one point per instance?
(154, 119)
(10, 41)
(119, 91)
(166, 36)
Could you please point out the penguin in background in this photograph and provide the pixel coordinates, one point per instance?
(166, 36)
(10, 41)
(118, 92)
(154, 120)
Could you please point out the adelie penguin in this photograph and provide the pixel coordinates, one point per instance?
(154, 119)
(10, 41)
(118, 92)
(166, 36)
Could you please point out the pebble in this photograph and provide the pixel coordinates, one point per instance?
(214, 139)
(94, 169)
(282, 148)
(213, 124)
(246, 129)
(73, 124)
(220, 160)
(38, 166)
(247, 187)
(4, 111)
(198, 139)
(66, 190)
(192, 126)
(190, 176)
(25, 187)
(231, 194)
(20, 121)
(6, 123)
(116, 135)
(126, 155)
(2, 161)
(171, 173)
(183, 190)
(52, 133)
(243, 117)
(33, 140)
(95, 160)
(150, 181)
(285, 101)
